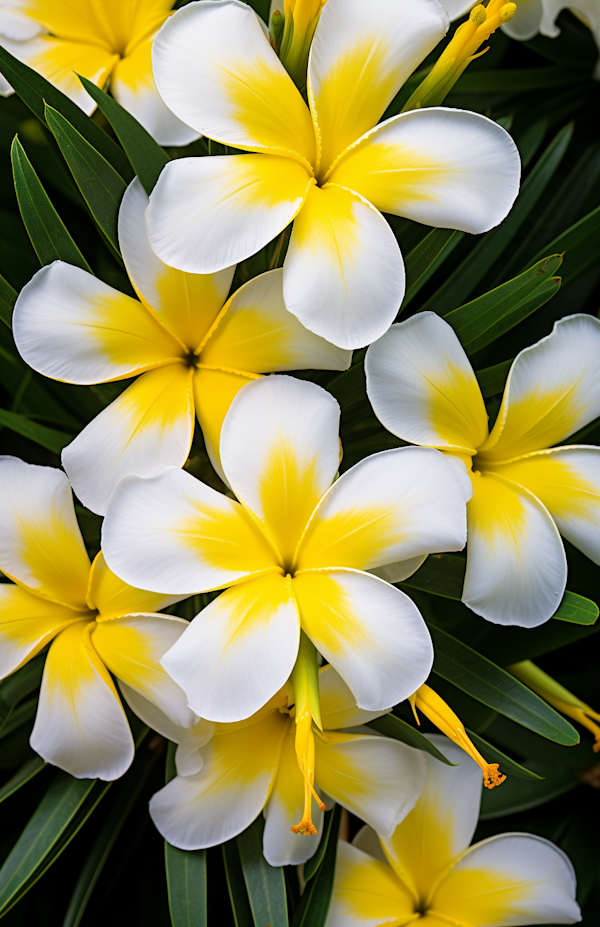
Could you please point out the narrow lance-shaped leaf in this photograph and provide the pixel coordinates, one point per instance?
(578, 244)
(46, 437)
(236, 885)
(101, 186)
(314, 904)
(35, 91)
(494, 755)
(423, 255)
(27, 771)
(18, 686)
(391, 726)
(494, 687)
(186, 874)
(48, 234)
(265, 884)
(146, 156)
(493, 379)
(8, 298)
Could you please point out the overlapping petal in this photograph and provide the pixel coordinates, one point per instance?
(422, 386)
(366, 892)
(216, 70)
(553, 388)
(239, 651)
(231, 789)
(150, 425)
(338, 706)
(343, 275)
(391, 506)
(132, 647)
(371, 633)
(71, 326)
(509, 879)
(516, 565)
(447, 168)
(567, 481)
(209, 213)
(526, 21)
(214, 391)
(113, 598)
(280, 452)
(170, 533)
(80, 724)
(40, 542)
(360, 57)
(186, 304)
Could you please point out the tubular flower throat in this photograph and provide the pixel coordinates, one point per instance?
(440, 714)
(461, 51)
(558, 696)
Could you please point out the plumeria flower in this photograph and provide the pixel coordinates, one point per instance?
(193, 348)
(110, 40)
(97, 624)
(423, 389)
(535, 16)
(292, 553)
(251, 766)
(327, 166)
(426, 872)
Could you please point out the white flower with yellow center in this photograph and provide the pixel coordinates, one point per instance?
(193, 347)
(253, 766)
(294, 551)
(423, 389)
(328, 166)
(427, 874)
(101, 40)
(97, 624)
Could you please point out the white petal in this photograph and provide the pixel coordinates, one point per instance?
(526, 21)
(71, 326)
(170, 533)
(150, 425)
(238, 651)
(367, 893)
(398, 572)
(371, 633)
(343, 274)
(448, 168)
(209, 213)
(376, 778)
(216, 70)
(360, 57)
(457, 8)
(40, 541)
(422, 386)
(516, 565)
(80, 724)
(17, 26)
(338, 705)
(27, 624)
(553, 388)
(395, 505)
(228, 793)
(280, 452)
(508, 881)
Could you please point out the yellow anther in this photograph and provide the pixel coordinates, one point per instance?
(440, 714)
(478, 15)
(507, 12)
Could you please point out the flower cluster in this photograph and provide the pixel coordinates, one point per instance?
(304, 638)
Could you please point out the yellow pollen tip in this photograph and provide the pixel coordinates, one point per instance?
(478, 15)
(492, 776)
(507, 12)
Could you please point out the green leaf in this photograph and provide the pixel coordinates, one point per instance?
(493, 379)
(311, 866)
(36, 91)
(577, 242)
(236, 885)
(516, 80)
(484, 319)
(265, 884)
(420, 259)
(101, 186)
(391, 726)
(47, 437)
(19, 685)
(577, 609)
(8, 298)
(314, 904)
(494, 687)
(47, 232)
(494, 755)
(146, 156)
(466, 277)
(27, 771)
(61, 813)
(186, 885)
(516, 795)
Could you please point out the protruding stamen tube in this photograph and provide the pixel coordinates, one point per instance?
(559, 697)
(440, 714)
(305, 681)
(292, 35)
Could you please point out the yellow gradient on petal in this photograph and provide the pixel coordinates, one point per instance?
(289, 784)
(71, 665)
(368, 890)
(134, 72)
(326, 224)
(61, 61)
(496, 512)
(126, 334)
(479, 896)
(390, 175)
(326, 613)
(250, 605)
(250, 340)
(129, 655)
(539, 419)
(353, 95)
(214, 391)
(113, 598)
(28, 623)
(557, 484)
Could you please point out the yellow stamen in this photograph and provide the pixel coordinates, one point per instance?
(558, 696)
(305, 681)
(440, 714)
